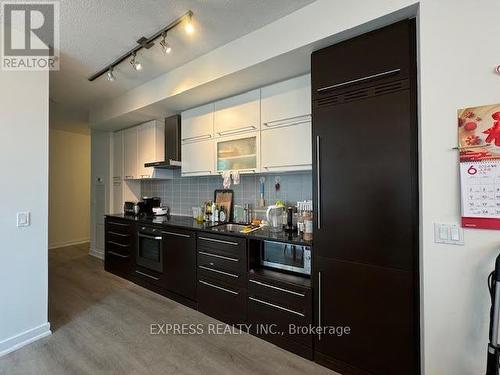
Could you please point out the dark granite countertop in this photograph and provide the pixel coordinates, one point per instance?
(188, 222)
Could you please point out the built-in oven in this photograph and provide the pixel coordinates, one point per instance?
(286, 256)
(149, 248)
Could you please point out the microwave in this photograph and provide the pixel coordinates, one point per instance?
(286, 256)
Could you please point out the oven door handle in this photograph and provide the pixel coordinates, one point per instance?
(157, 238)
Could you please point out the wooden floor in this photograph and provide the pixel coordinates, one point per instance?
(101, 325)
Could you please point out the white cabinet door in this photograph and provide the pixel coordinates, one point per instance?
(197, 123)
(286, 102)
(117, 156)
(117, 197)
(130, 153)
(286, 148)
(237, 114)
(198, 158)
(146, 136)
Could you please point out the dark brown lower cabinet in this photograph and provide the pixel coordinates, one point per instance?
(377, 304)
(119, 247)
(281, 312)
(179, 247)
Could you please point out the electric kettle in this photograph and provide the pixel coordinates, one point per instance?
(274, 215)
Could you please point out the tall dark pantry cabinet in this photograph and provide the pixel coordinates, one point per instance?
(366, 202)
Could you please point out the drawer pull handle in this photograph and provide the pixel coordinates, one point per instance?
(120, 224)
(217, 271)
(358, 80)
(119, 234)
(218, 256)
(276, 306)
(218, 241)
(218, 287)
(177, 234)
(117, 244)
(289, 165)
(145, 274)
(118, 255)
(278, 288)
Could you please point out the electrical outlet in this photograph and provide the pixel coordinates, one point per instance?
(451, 234)
(23, 219)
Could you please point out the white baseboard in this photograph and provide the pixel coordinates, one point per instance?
(24, 338)
(58, 245)
(97, 253)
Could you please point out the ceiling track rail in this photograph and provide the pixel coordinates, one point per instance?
(142, 43)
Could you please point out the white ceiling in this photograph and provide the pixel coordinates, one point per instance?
(95, 32)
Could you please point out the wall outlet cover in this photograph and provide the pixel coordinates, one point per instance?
(23, 219)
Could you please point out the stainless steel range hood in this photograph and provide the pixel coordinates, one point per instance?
(172, 145)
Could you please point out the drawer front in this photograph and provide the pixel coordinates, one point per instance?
(230, 278)
(117, 263)
(291, 297)
(278, 318)
(221, 301)
(221, 262)
(232, 247)
(118, 226)
(118, 238)
(116, 247)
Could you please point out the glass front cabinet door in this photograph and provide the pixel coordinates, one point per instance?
(241, 153)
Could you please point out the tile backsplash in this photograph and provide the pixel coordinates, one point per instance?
(182, 193)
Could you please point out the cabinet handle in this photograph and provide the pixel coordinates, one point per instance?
(117, 244)
(207, 136)
(278, 288)
(118, 255)
(218, 287)
(120, 224)
(193, 172)
(241, 171)
(358, 80)
(118, 234)
(276, 306)
(319, 305)
(289, 165)
(288, 121)
(218, 241)
(177, 234)
(217, 271)
(117, 177)
(218, 256)
(129, 177)
(318, 181)
(239, 130)
(145, 274)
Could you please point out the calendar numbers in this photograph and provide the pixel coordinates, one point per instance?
(480, 189)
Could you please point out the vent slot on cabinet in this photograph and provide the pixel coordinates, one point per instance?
(346, 95)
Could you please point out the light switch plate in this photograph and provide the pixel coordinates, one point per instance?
(23, 219)
(452, 234)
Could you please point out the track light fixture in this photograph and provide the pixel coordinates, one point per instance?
(109, 75)
(189, 24)
(147, 43)
(164, 44)
(135, 64)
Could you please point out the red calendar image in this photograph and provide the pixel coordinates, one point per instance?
(479, 145)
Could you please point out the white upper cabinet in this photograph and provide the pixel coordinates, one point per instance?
(198, 158)
(198, 123)
(287, 148)
(286, 102)
(117, 156)
(130, 153)
(151, 141)
(237, 114)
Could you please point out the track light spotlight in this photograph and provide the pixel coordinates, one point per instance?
(189, 24)
(135, 64)
(164, 44)
(109, 75)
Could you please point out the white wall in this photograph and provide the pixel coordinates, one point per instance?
(458, 42)
(23, 187)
